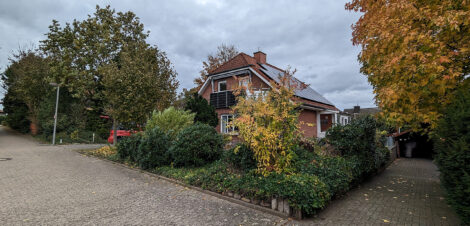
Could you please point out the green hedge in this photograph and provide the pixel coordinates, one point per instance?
(452, 145)
(153, 149)
(240, 157)
(362, 141)
(127, 147)
(196, 145)
(303, 191)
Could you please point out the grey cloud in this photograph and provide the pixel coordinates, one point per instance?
(312, 36)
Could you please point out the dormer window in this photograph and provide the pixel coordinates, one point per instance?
(222, 86)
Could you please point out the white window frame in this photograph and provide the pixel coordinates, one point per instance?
(222, 82)
(226, 130)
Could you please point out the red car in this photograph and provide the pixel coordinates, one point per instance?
(120, 133)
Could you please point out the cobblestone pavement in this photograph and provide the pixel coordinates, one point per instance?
(408, 192)
(43, 184)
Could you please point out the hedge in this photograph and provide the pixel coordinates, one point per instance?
(452, 145)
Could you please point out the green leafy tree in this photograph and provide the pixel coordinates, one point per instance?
(205, 113)
(171, 121)
(87, 55)
(26, 79)
(78, 50)
(141, 81)
(452, 145)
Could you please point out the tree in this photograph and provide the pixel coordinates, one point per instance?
(205, 113)
(26, 78)
(268, 124)
(141, 81)
(414, 53)
(106, 62)
(78, 50)
(452, 145)
(224, 53)
(183, 97)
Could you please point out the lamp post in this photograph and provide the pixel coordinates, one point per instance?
(56, 108)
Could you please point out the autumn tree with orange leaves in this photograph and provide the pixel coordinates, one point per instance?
(414, 53)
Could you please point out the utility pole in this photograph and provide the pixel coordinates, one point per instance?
(56, 109)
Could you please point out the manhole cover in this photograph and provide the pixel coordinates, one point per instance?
(5, 159)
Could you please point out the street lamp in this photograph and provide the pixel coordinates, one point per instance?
(56, 108)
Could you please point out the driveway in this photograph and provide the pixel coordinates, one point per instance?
(52, 185)
(408, 192)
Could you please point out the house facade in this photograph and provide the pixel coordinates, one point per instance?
(244, 69)
(344, 118)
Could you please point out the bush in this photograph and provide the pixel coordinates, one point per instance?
(303, 191)
(205, 113)
(171, 121)
(240, 157)
(127, 147)
(153, 149)
(197, 145)
(335, 172)
(105, 151)
(452, 145)
(363, 140)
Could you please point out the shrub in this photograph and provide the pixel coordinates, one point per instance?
(304, 191)
(128, 147)
(105, 151)
(240, 157)
(268, 124)
(196, 145)
(362, 138)
(205, 113)
(335, 172)
(171, 121)
(153, 149)
(452, 145)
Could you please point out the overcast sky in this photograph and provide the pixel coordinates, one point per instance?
(312, 36)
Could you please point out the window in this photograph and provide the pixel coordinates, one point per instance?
(225, 122)
(222, 86)
(244, 82)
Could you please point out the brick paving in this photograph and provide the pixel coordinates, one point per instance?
(49, 185)
(408, 192)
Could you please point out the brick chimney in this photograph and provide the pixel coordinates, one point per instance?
(357, 109)
(260, 57)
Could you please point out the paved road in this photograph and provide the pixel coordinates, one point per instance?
(51, 185)
(407, 193)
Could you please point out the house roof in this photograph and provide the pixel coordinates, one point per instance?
(271, 72)
(362, 111)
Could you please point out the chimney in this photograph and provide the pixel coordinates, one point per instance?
(260, 57)
(357, 109)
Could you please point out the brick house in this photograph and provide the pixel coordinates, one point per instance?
(244, 69)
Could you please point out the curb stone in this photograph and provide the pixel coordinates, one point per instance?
(217, 195)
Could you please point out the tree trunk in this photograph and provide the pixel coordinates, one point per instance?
(114, 131)
(33, 126)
